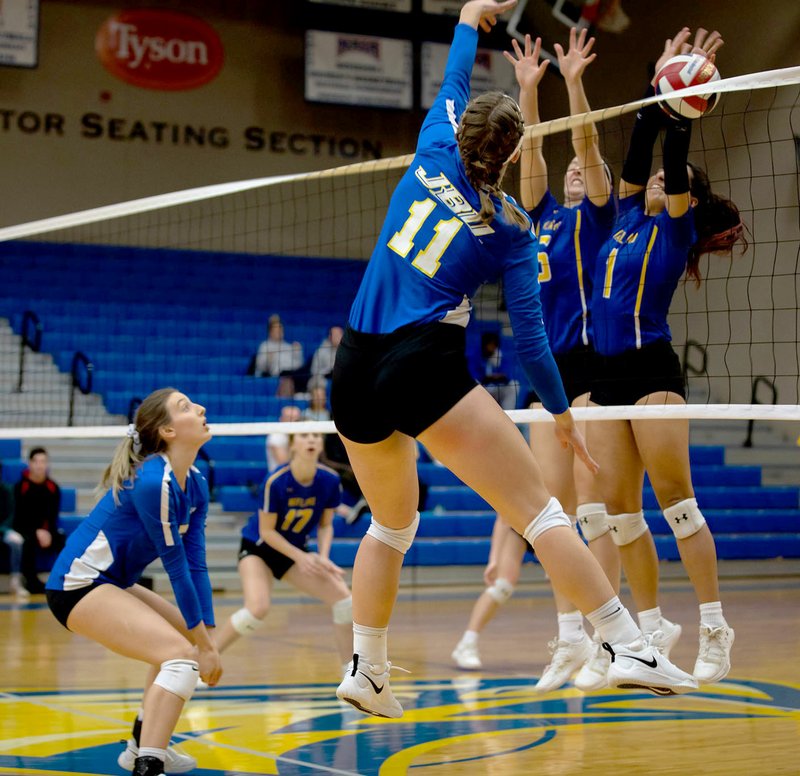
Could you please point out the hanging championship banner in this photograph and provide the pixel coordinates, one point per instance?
(358, 70)
(491, 71)
(449, 7)
(401, 6)
(19, 33)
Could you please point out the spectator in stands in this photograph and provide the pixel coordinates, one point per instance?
(325, 355)
(318, 403)
(13, 539)
(278, 443)
(490, 367)
(37, 502)
(278, 358)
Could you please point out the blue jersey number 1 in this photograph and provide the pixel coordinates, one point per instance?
(428, 259)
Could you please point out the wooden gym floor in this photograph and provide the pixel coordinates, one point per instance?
(65, 702)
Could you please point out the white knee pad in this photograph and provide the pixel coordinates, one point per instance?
(627, 528)
(685, 518)
(397, 538)
(244, 622)
(343, 611)
(501, 590)
(552, 516)
(178, 677)
(593, 521)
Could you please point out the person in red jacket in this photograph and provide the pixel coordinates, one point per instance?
(37, 501)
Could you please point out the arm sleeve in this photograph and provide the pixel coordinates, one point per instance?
(520, 280)
(162, 529)
(194, 543)
(639, 160)
(442, 119)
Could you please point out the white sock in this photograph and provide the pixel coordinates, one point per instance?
(151, 751)
(370, 644)
(614, 623)
(570, 627)
(470, 638)
(650, 619)
(711, 615)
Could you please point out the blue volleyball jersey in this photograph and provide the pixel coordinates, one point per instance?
(569, 239)
(434, 251)
(299, 507)
(637, 272)
(155, 518)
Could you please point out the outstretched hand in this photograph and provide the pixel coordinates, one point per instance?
(527, 67)
(705, 43)
(578, 56)
(484, 13)
(568, 434)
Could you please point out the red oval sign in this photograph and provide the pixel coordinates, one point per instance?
(159, 49)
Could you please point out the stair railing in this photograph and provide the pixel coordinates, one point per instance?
(82, 369)
(759, 380)
(31, 338)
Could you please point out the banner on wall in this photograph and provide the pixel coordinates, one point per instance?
(401, 6)
(447, 7)
(19, 33)
(491, 71)
(358, 70)
(161, 50)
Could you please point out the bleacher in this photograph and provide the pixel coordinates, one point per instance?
(147, 318)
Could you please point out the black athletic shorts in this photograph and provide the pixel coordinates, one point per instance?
(404, 381)
(277, 562)
(634, 374)
(62, 602)
(577, 368)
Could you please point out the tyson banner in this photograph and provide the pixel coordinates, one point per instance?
(161, 50)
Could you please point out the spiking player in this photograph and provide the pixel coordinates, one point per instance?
(401, 374)
(666, 222)
(298, 498)
(155, 507)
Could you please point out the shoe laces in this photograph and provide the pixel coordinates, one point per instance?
(711, 641)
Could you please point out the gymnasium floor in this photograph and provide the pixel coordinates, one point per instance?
(67, 702)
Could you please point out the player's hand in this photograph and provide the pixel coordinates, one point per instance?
(707, 43)
(578, 56)
(527, 67)
(44, 538)
(210, 665)
(484, 13)
(14, 537)
(312, 563)
(568, 434)
(674, 46)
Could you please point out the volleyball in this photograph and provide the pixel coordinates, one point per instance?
(680, 72)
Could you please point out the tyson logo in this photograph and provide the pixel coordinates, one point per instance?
(160, 50)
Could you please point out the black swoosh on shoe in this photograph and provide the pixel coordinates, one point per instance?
(375, 687)
(652, 663)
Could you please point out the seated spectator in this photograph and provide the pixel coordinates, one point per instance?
(37, 502)
(278, 453)
(13, 540)
(278, 358)
(491, 369)
(318, 400)
(325, 354)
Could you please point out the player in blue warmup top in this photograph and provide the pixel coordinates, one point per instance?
(666, 222)
(298, 497)
(401, 374)
(155, 507)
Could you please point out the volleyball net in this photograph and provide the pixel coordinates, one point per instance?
(105, 305)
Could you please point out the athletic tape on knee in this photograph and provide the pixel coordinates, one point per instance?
(343, 611)
(397, 538)
(501, 590)
(552, 516)
(627, 528)
(178, 677)
(244, 622)
(685, 518)
(593, 520)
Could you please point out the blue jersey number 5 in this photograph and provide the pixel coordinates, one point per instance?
(428, 259)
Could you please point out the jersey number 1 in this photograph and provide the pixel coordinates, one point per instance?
(428, 259)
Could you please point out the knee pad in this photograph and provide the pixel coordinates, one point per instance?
(244, 622)
(343, 611)
(178, 677)
(627, 528)
(500, 591)
(397, 538)
(552, 516)
(593, 521)
(685, 518)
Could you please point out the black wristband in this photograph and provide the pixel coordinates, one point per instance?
(676, 154)
(639, 160)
